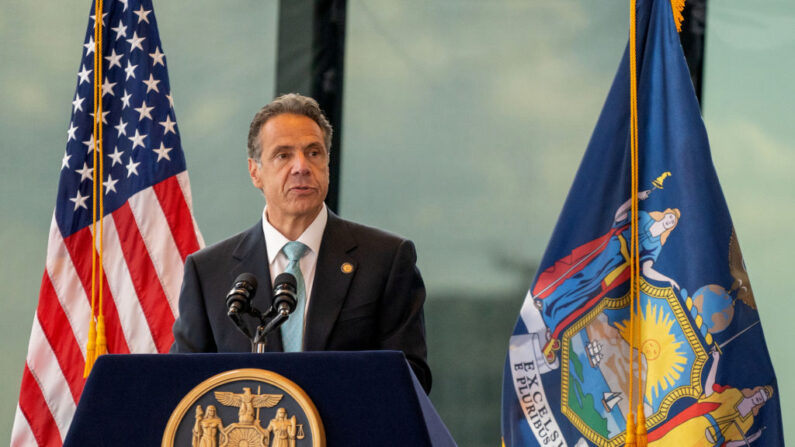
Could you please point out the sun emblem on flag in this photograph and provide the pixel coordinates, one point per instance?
(661, 348)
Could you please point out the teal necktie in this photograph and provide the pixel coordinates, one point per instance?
(293, 328)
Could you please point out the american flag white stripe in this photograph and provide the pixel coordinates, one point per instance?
(131, 315)
(159, 242)
(68, 287)
(21, 436)
(44, 366)
(149, 228)
(184, 184)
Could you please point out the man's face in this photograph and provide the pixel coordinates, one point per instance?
(293, 168)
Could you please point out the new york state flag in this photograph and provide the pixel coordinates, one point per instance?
(706, 374)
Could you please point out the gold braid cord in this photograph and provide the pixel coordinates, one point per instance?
(636, 431)
(97, 341)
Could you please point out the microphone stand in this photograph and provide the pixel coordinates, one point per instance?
(264, 329)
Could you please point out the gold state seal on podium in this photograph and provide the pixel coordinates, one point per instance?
(245, 408)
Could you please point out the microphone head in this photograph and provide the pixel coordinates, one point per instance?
(284, 290)
(247, 281)
(285, 279)
(239, 298)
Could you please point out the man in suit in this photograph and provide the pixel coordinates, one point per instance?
(359, 287)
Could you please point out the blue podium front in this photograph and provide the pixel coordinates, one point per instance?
(368, 398)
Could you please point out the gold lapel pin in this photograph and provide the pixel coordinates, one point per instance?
(346, 267)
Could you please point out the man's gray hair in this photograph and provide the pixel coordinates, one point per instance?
(289, 103)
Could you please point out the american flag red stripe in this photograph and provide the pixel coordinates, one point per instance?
(158, 238)
(148, 224)
(180, 219)
(35, 409)
(67, 351)
(147, 284)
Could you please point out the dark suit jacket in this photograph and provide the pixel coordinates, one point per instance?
(376, 306)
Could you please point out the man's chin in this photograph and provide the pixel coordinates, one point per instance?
(306, 208)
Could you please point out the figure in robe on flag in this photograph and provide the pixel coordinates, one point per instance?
(721, 417)
(574, 284)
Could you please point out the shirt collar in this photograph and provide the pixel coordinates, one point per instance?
(311, 237)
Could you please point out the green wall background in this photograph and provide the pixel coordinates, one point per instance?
(495, 99)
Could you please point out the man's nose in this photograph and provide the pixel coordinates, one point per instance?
(300, 164)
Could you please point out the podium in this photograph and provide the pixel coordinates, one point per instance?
(367, 398)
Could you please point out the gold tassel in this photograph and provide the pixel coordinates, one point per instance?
(630, 440)
(641, 428)
(102, 341)
(677, 6)
(91, 347)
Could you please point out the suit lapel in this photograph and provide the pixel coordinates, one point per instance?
(251, 255)
(330, 285)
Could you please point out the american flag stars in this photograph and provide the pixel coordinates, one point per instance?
(168, 125)
(79, 201)
(157, 57)
(151, 83)
(132, 167)
(83, 75)
(107, 87)
(137, 139)
(130, 71)
(77, 104)
(139, 127)
(115, 156)
(144, 111)
(135, 42)
(121, 30)
(113, 59)
(143, 14)
(162, 152)
(110, 185)
(70, 133)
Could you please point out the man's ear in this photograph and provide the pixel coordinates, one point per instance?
(254, 171)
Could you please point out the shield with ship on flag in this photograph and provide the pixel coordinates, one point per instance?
(702, 375)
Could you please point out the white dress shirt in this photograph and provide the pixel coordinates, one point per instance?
(311, 237)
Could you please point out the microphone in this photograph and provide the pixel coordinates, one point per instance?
(284, 302)
(238, 300)
(284, 294)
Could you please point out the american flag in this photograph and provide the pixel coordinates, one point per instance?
(148, 223)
